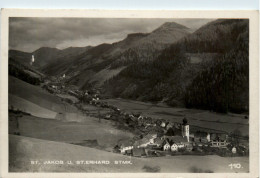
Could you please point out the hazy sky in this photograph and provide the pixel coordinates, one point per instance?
(29, 34)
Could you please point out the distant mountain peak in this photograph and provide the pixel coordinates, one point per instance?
(170, 26)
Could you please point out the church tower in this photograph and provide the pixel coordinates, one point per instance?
(185, 129)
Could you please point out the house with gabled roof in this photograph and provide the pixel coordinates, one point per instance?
(176, 142)
(177, 139)
(218, 140)
(166, 145)
(174, 147)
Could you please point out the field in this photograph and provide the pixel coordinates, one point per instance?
(201, 118)
(25, 149)
(106, 134)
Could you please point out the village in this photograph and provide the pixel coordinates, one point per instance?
(154, 137)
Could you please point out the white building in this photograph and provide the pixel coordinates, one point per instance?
(208, 137)
(185, 129)
(123, 149)
(234, 150)
(174, 147)
(166, 146)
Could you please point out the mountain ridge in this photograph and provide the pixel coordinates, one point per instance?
(137, 60)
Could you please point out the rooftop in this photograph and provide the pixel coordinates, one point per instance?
(177, 139)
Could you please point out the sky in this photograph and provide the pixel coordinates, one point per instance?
(29, 34)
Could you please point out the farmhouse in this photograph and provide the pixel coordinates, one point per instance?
(124, 147)
(218, 140)
(174, 147)
(166, 145)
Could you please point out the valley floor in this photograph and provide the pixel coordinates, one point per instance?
(57, 130)
(201, 118)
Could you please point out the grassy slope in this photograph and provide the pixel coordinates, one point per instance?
(29, 107)
(38, 96)
(24, 149)
(106, 134)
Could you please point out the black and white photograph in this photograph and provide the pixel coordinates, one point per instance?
(129, 95)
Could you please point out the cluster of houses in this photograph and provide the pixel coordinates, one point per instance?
(180, 141)
(175, 137)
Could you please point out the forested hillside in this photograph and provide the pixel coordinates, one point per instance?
(219, 83)
(224, 85)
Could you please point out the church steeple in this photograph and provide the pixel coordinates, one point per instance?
(185, 129)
